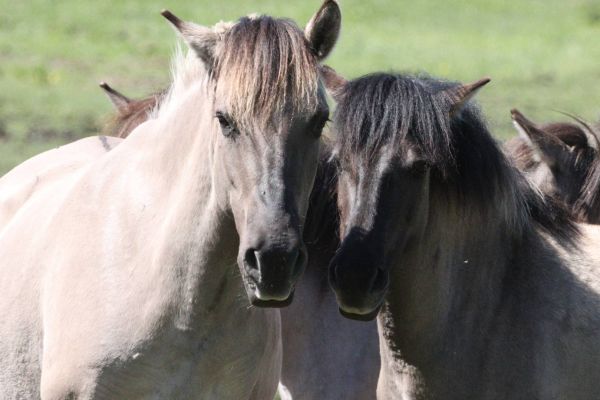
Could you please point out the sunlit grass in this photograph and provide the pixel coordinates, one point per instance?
(541, 55)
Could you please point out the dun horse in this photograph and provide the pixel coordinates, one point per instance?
(483, 288)
(119, 279)
(563, 160)
(325, 356)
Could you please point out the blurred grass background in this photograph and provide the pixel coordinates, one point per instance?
(542, 55)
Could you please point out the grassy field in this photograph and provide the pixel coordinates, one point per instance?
(542, 55)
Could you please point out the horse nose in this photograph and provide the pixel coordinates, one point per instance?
(352, 275)
(357, 276)
(274, 269)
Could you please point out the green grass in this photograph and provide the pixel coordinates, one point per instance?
(542, 55)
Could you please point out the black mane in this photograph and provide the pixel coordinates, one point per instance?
(381, 107)
(412, 112)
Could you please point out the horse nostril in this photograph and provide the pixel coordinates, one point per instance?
(250, 259)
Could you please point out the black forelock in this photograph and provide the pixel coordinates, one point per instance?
(382, 108)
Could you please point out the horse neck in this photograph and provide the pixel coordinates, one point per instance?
(182, 135)
(444, 294)
(197, 236)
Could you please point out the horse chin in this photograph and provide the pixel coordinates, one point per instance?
(257, 302)
(360, 316)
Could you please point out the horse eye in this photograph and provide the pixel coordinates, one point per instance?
(318, 124)
(227, 126)
(419, 167)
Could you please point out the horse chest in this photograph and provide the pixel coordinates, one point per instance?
(214, 363)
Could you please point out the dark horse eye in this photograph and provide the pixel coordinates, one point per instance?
(227, 126)
(419, 167)
(317, 124)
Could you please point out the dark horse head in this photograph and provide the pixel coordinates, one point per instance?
(393, 137)
(563, 160)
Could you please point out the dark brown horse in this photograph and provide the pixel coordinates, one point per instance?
(325, 356)
(483, 288)
(563, 160)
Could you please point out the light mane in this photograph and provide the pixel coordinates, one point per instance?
(187, 71)
(264, 67)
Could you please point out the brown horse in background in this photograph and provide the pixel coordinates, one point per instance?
(563, 160)
(130, 113)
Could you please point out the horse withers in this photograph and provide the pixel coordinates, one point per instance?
(139, 276)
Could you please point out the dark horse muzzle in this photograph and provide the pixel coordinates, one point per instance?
(357, 276)
(271, 266)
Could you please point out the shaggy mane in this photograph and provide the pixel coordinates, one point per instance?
(263, 66)
(407, 112)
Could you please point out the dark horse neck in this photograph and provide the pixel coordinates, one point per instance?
(443, 299)
(451, 286)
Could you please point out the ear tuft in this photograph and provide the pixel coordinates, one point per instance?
(119, 100)
(323, 30)
(199, 38)
(460, 95)
(175, 21)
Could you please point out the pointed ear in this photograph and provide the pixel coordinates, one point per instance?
(323, 29)
(460, 95)
(334, 82)
(199, 38)
(593, 141)
(119, 100)
(545, 145)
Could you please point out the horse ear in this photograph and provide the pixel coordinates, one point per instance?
(334, 82)
(545, 145)
(323, 29)
(119, 100)
(593, 140)
(199, 38)
(460, 95)
(591, 136)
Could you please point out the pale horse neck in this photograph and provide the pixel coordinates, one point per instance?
(444, 293)
(197, 238)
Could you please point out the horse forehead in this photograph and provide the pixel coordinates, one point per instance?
(376, 163)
